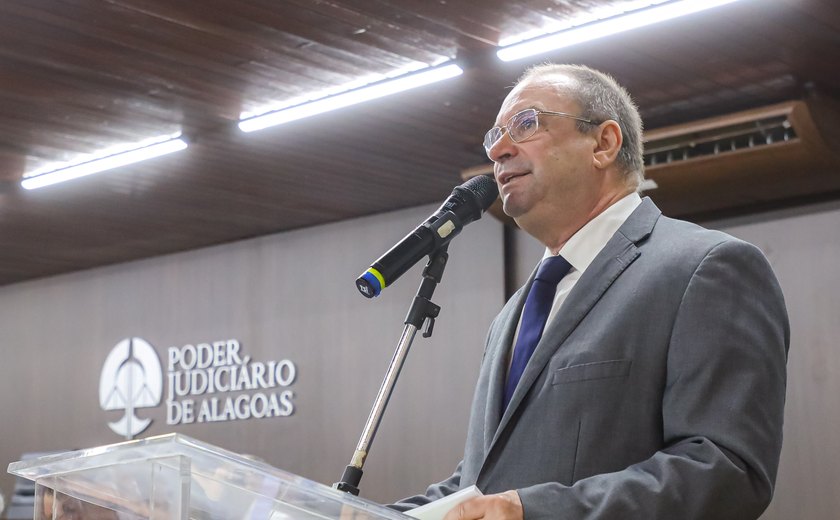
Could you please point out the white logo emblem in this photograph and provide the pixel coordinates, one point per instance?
(131, 378)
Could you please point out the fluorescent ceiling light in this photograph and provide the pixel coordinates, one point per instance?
(600, 29)
(351, 97)
(362, 81)
(139, 152)
(592, 14)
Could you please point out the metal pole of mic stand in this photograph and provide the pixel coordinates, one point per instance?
(422, 310)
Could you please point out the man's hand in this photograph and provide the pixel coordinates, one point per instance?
(504, 506)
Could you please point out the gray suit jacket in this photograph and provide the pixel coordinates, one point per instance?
(657, 392)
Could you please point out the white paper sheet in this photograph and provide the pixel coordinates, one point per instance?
(437, 510)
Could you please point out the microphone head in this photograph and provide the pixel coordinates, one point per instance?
(483, 189)
(466, 204)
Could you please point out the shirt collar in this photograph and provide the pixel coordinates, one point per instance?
(588, 241)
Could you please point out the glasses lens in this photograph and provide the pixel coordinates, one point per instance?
(490, 138)
(523, 125)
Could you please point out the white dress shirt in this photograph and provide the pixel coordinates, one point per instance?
(584, 246)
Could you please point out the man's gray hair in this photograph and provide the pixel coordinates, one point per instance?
(600, 98)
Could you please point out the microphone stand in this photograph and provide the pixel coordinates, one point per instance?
(422, 310)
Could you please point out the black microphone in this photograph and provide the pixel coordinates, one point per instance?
(467, 202)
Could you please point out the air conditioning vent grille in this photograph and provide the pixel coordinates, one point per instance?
(721, 140)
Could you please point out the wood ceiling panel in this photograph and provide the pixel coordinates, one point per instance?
(450, 22)
(79, 76)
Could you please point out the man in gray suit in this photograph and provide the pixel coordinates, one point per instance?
(656, 388)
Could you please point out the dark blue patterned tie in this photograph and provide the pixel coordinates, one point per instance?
(534, 315)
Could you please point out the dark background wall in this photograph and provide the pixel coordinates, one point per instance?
(291, 296)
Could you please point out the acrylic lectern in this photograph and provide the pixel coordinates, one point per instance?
(174, 477)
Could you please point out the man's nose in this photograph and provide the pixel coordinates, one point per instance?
(502, 149)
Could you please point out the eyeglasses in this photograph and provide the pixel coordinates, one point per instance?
(523, 125)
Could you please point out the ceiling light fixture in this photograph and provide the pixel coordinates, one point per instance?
(606, 27)
(104, 161)
(351, 97)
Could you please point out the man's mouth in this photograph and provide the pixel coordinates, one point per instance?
(507, 177)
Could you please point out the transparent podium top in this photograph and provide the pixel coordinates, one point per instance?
(174, 477)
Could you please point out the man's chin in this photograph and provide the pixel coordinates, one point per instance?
(511, 208)
(517, 213)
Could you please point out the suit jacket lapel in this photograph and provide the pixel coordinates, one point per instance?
(607, 266)
(499, 363)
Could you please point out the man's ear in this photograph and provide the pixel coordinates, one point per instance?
(608, 141)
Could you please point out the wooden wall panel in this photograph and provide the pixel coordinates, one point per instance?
(283, 296)
(803, 246)
(291, 296)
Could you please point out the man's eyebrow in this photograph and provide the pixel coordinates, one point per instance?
(535, 107)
